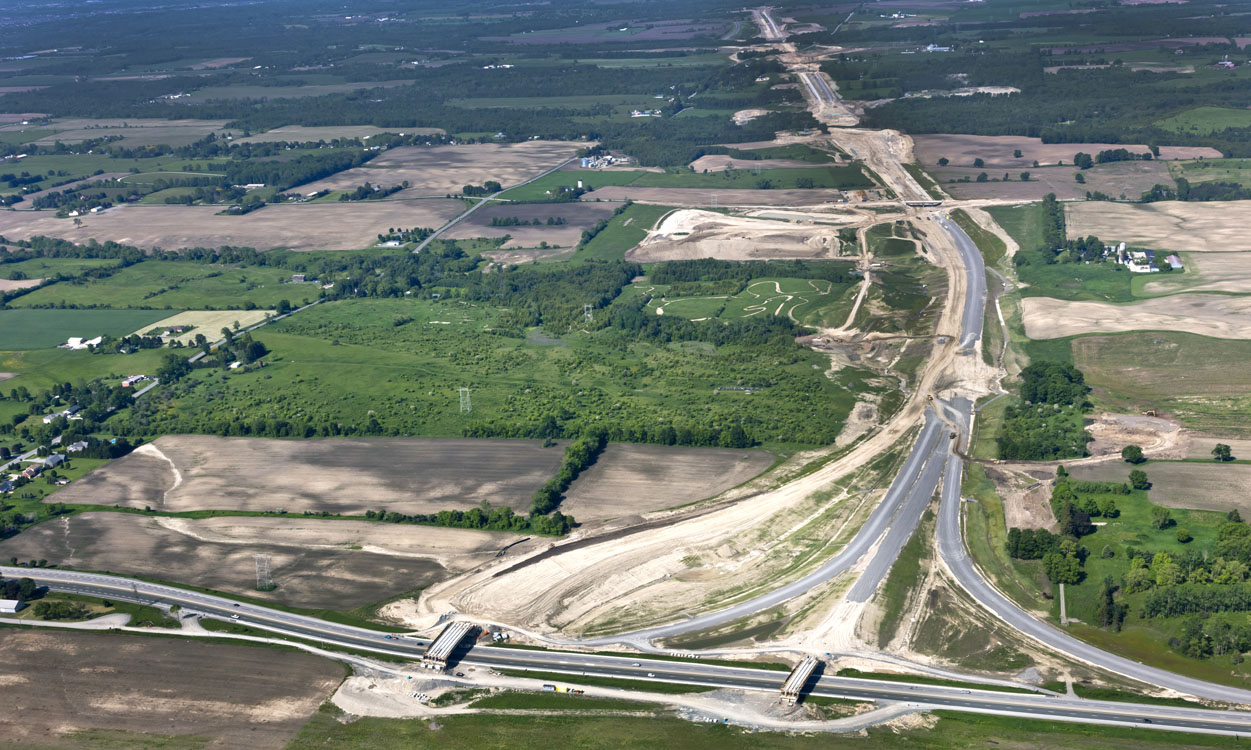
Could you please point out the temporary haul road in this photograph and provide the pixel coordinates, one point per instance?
(642, 668)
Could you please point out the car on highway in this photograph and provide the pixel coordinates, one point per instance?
(234, 617)
(651, 674)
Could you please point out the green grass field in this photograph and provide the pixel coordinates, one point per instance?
(61, 167)
(175, 285)
(843, 178)
(952, 731)
(533, 102)
(41, 368)
(1024, 223)
(44, 268)
(1208, 170)
(793, 151)
(622, 233)
(1206, 120)
(347, 362)
(42, 329)
(805, 300)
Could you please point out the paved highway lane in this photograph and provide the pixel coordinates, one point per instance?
(884, 518)
(975, 272)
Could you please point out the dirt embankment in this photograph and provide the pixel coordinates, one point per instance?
(690, 234)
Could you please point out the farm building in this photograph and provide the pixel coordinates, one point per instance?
(10, 606)
(1174, 262)
(56, 459)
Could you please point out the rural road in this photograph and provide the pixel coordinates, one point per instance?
(647, 669)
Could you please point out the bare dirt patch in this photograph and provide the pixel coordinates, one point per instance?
(1166, 225)
(311, 226)
(1204, 314)
(577, 217)
(683, 235)
(67, 682)
(1129, 178)
(1158, 437)
(997, 150)
(405, 475)
(635, 479)
(721, 162)
(440, 170)
(315, 578)
(1026, 499)
(703, 197)
(9, 285)
(219, 62)
(303, 134)
(1206, 486)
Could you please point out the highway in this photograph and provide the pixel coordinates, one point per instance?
(819, 89)
(646, 669)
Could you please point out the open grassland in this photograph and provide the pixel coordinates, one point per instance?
(704, 197)
(347, 362)
(1208, 170)
(535, 732)
(623, 233)
(46, 268)
(1206, 120)
(1204, 314)
(311, 226)
(799, 299)
(1166, 225)
(836, 178)
(174, 285)
(624, 101)
(41, 329)
(405, 475)
(110, 690)
(245, 91)
(577, 218)
(998, 151)
(133, 544)
(62, 167)
(640, 478)
(41, 368)
(1203, 382)
(440, 170)
(1184, 484)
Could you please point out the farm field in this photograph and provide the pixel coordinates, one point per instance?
(642, 101)
(42, 368)
(1207, 170)
(206, 322)
(1205, 120)
(624, 232)
(347, 362)
(312, 226)
(722, 163)
(1136, 371)
(577, 217)
(1182, 484)
(997, 150)
(1127, 178)
(63, 167)
(42, 329)
(1166, 225)
(134, 132)
(406, 475)
(133, 544)
(305, 134)
(245, 91)
(76, 689)
(643, 478)
(173, 285)
(440, 170)
(1204, 314)
(782, 179)
(1207, 272)
(704, 198)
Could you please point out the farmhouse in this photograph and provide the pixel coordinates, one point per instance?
(6, 486)
(67, 413)
(76, 447)
(10, 606)
(133, 379)
(32, 471)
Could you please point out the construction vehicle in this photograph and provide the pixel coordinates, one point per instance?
(1149, 413)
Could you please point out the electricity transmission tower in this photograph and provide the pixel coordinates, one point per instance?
(263, 581)
(465, 405)
(588, 312)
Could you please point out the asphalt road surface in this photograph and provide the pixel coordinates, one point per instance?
(646, 669)
(975, 298)
(819, 89)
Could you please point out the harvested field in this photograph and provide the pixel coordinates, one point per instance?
(1166, 225)
(1200, 444)
(303, 134)
(9, 285)
(1180, 484)
(130, 544)
(208, 322)
(219, 62)
(439, 170)
(703, 197)
(1211, 272)
(120, 687)
(134, 132)
(311, 226)
(630, 479)
(996, 150)
(720, 163)
(1128, 178)
(577, 217)
(245, 91)
(688, 234)
(1204, 314)
(343, 476)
